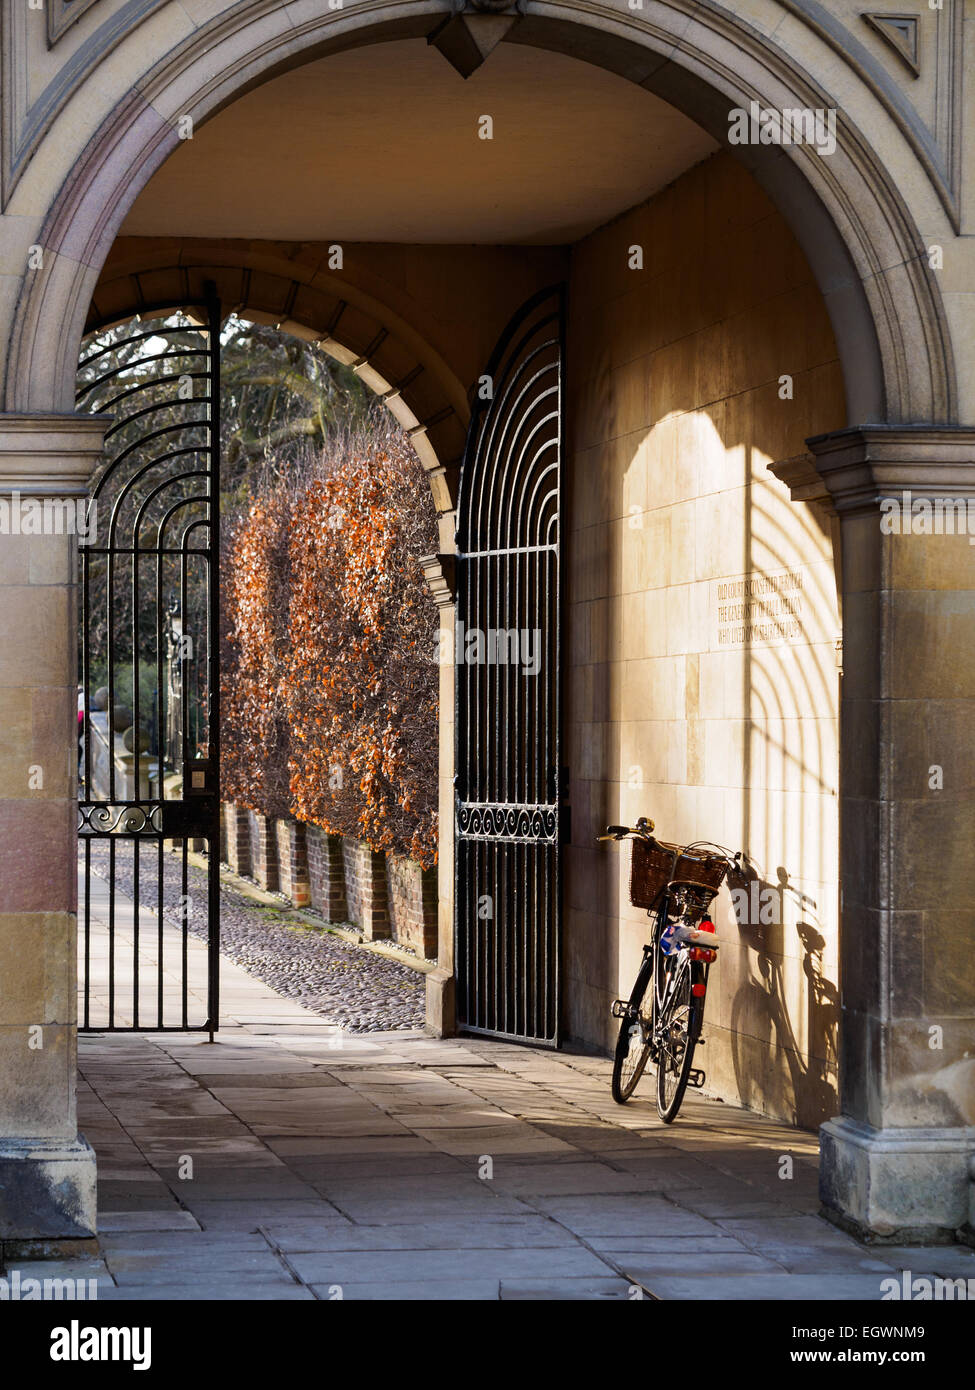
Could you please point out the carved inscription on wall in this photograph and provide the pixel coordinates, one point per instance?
(758, 610)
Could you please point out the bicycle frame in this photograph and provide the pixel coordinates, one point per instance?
(660, 998)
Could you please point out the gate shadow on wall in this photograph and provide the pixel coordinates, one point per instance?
(809, 1088)
(774, 783)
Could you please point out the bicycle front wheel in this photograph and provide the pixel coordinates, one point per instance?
(633, 1044)
(679, 1031)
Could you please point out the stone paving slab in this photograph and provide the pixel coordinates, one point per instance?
(757, 1288)
(394, 1266)
(624, 1215)
(425, 1291)
(489, 1233)
(570, 1290)
(236, 1215)
(391, 1211)
(144, 1222)
(226, 1291)
(944, 1262)
(327, 1165)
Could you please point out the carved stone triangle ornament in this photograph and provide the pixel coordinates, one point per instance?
(472, 33)
(899, 32)
(61, 14)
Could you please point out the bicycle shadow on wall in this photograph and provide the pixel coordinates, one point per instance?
(803, 1074)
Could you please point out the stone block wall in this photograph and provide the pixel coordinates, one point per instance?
(702, 619)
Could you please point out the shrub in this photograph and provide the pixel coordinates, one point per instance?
(254, 730)
(330, 681)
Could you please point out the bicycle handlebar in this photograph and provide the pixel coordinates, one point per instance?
(620, 832)
(644, 829)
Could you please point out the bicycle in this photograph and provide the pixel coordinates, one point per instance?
(662, 1019)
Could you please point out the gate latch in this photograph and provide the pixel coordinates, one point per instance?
(196, 777)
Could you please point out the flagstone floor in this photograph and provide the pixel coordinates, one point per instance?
(291, 1160)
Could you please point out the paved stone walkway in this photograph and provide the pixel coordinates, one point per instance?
(291, 1160)
(362, 990)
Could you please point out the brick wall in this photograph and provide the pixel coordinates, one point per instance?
(365, 889)
(384, 895)
(264, 851)
(411, 894)
(292, 861)
(238, 846)
(326, 874)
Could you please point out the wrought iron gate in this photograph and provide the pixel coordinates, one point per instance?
(148, 776)
(509, 818)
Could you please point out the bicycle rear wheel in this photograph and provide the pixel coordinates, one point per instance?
(679, 1031)
(633, 1043)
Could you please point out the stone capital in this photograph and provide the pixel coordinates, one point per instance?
(50, 455)
(803, 479)
(864, 465)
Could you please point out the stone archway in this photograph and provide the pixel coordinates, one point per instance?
(862, 237)
(400, 368)
(848, 214)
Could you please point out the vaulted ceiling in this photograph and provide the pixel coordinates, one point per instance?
(382, 144)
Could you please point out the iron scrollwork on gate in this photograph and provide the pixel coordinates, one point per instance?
(148, 781)
(509, 784)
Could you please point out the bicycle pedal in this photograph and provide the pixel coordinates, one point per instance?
(696, 1077)
(620, 1007)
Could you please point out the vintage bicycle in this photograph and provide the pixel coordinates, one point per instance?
(662, 1019)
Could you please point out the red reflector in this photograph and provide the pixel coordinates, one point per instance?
(698, 991)
(707, 925)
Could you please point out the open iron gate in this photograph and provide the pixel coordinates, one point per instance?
(148, 777)
(509, 784)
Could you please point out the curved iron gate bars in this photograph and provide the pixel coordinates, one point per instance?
(178, 456)
(509, 783)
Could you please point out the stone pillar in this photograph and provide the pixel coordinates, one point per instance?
(895, 1162)
(441, 986)
(47, 1170)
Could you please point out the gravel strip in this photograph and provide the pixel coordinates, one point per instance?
(361, 990)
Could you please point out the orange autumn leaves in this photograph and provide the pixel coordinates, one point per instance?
(330, 680)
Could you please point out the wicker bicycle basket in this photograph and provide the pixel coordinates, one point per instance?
(652, 868)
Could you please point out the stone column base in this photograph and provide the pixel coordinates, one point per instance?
(47, 1189)
(896, 1186)
(441, 1003)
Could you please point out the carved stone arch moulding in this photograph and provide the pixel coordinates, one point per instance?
(854, 224)
(409, 380)
(935, 141)
(24, 122)
(937, 60)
